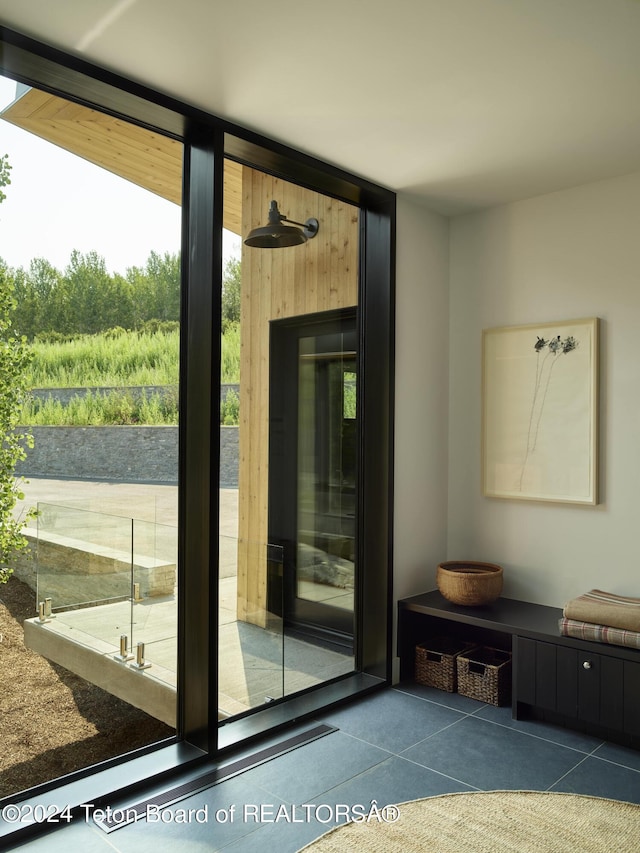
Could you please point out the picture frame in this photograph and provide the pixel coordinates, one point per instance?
(540, 411)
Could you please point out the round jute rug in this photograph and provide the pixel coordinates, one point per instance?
(492, 822)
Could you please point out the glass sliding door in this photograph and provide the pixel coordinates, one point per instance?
(250, 634)
(313, 498)
(287, 605)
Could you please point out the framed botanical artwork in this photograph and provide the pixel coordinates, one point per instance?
(540, 411)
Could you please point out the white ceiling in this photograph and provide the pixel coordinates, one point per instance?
(463, 103)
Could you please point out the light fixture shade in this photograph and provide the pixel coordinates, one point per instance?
(276, 235)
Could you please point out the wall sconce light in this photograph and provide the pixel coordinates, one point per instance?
(275, 235)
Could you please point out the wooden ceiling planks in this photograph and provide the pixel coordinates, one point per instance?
(148, 159)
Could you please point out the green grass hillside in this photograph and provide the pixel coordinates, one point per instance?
(121, 359)
(111, 358)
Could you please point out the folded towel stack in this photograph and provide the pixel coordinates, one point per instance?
(603, 617)
(599, 633)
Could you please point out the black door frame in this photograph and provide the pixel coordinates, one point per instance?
(336, 626)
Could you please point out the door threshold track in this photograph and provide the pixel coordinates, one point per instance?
(110, 819)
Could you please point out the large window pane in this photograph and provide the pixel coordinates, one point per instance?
(91, 228)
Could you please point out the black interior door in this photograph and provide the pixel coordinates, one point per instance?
(312, 472)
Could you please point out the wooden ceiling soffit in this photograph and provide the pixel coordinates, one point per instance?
(148, 159)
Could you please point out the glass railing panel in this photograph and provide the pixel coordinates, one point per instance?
(154, 605)
(143, 507)
(83, 558)
(83, 573)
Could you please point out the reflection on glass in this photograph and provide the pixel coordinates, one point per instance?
(251, 650)
(326, 470)
(312, 497)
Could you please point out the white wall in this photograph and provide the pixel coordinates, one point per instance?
(422, 308)
(566, 255)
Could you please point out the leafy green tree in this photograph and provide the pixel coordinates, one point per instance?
(122, 310)
(14, 360)
(231, 280)
(87, 297)
(36, 293)
(5, 168)
(164, 273)
(155, 289)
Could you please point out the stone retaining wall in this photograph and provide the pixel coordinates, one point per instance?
(65, 395)
(138, 454)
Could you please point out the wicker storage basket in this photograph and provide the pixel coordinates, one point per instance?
(485, 674)
(436, 662)
(469, 583)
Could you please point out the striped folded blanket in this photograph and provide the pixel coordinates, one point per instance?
(605, 608)
(599, 633)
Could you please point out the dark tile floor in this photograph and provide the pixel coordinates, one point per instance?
(400, 744)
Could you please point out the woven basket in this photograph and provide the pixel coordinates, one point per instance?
(485, 674)
(435, 664)
(469, 583)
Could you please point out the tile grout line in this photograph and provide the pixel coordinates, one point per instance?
(439, 773)
(428, 737)
(107, 840)
(564, 775)
(411, 745)
(609, 761)
(321, 793)
(402, 758)
(389, 754)
(476, 714)
(367, 742)
(539, 737)
(482, 705)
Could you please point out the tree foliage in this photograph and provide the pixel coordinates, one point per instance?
(14, 360)
(231, 278)
(5, 168)
(155, 290)
(85, 299)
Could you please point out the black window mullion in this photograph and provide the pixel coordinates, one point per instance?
(200, 444)
(375, 404)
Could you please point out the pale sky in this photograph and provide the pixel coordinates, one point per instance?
(57, 202)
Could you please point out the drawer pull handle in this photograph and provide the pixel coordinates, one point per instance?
(587, 664)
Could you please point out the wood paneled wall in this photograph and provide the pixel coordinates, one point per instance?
(320, 275)
(148, 159)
